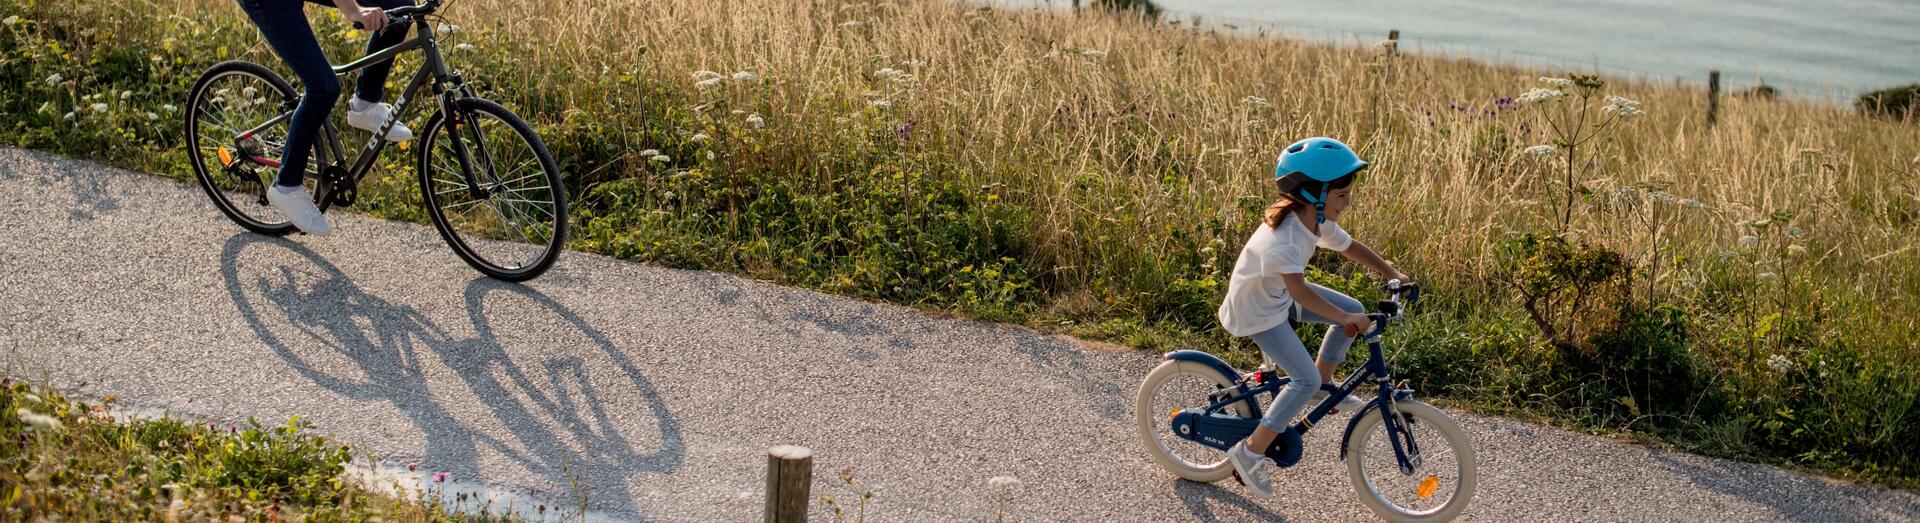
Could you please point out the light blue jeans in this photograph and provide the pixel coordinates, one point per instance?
(1283, 347)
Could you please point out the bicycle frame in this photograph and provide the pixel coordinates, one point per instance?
(448, 87)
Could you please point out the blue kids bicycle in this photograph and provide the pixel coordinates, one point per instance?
(1408, 461)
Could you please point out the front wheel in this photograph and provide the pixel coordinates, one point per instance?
(493, 191)
(1443, 478)
(1176, 385)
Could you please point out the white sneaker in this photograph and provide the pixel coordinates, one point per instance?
(371, 115)
(1351, 403)
(298, 206)
(1251, 470)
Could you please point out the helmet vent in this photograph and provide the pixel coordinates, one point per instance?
(1296, 148)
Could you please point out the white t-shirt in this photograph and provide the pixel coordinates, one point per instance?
(1257, 298)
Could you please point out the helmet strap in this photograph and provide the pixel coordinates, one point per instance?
(1319, 204)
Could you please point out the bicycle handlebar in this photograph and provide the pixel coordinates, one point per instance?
(404, 15)
(1402, 295)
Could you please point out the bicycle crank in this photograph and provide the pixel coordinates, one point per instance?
(341, 187)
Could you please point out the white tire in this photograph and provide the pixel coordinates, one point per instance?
(1446, 456)
(1188, 383)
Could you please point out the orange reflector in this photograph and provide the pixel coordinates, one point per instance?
(1427, 486)
(1175, 414)
(226, 158)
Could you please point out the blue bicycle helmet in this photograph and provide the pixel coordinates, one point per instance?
(1310, 168)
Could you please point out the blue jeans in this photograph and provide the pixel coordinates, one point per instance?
(283, 23)
(1282, 346)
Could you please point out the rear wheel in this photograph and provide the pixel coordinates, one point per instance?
(510, 222)
(1173, 386)
(229, 99)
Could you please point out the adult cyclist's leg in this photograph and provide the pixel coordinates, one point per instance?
(283, 23)
(372, 84)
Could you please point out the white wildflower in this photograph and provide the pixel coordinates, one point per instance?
(708, 83)
(152, 117)
(126, 94)
(1557, 83)
(707, 75)
(31, 397)
(69, 115)
(1749, 240)
(45, 107)
(880, 104)
(1763, 222)
(1795, 232)
(1692, 203)
(1626, 192)
(893, 75)
(1779, 363)
(169, 108)
(745, 77)
(756, 121)
(1796, 250)
(1537, 95)
(11, 20)
(100, 108)
(710, 155)
(1662, 196)
(464, 47)
(249, 92)
(1541, 150)
(1255, 101)
(701, 138)
(1623, 107)
(449, 28)
(661, 158)
(850, 24)
(1092, 53)
(1004, 482)
(649, 153)
(1387, 46)
(914, 64)
(37, 419)
(55, 79)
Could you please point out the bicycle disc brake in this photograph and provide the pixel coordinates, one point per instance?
(341, 188)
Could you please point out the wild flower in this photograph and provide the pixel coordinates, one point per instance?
(1779, 363)
(708, 83)
(152, 117)
(449, 29)
(249, 91)
(756, 121)
(1387, 47)
(55, 79)
(701, 138)
(11, 20)
(1663, 197)
(126, 94)
(464, 47)
(69, 115)
(100, 107)
(649, 153)
(1795, 232)
(1541, 150)
(850, 24)
(31, 397)
(1742, 224)
(37, 419)
(440, 477)
(45, 107)
(1255, 101)
(707, 75)
(169, 108)
(893, 75)
(745, 77)
(661, 158)
(1749, 240)
(1557, 83)
(1621, 106)
(1693, 204)
(1796, 250)
(914, 64)
(880, 104)
(1537, 95)
(1093, 53)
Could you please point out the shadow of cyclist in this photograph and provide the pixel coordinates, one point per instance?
(367, 348)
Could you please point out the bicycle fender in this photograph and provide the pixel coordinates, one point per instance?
(1354, 421)
(1203, 358)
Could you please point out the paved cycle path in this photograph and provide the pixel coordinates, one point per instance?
(655, 392)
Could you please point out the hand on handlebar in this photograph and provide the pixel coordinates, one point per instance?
(1354, 324)
(371, 19)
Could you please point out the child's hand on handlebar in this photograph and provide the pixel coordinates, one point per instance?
(1354, 324)
(372, 19)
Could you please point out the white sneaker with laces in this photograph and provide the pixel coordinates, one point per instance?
(299, 208)
(1350, 403)
(1251, 469)
(368, 116)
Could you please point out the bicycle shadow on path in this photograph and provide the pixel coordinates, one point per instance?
(560, 429)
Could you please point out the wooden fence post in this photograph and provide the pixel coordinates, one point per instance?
(1713, 97)
(1393, 34)
(789, 483)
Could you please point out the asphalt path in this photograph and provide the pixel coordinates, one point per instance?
(655, 392)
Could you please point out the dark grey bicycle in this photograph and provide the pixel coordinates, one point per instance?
(487, 181)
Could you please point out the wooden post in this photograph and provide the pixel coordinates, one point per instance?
(789, 483)
(1713, 97)
(1393, 34)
